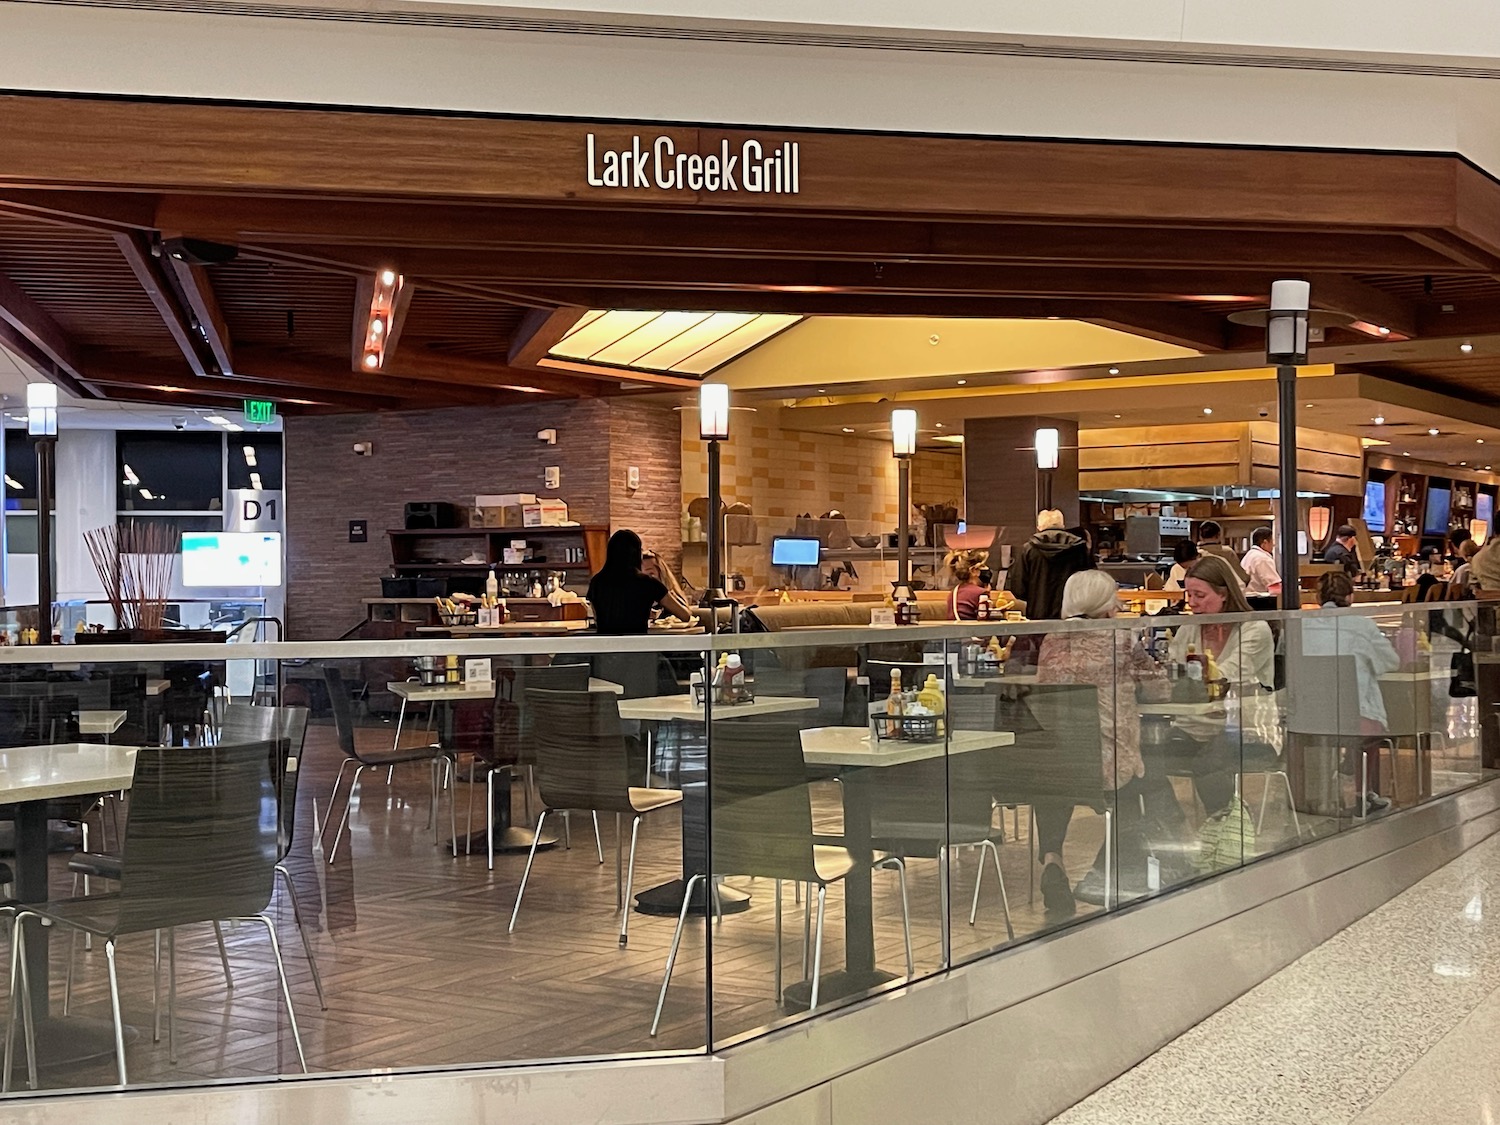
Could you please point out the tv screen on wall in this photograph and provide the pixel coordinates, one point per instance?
(1374, 508)
(1484, 508)
(1436, 522)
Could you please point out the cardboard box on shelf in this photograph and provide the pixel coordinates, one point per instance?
(509, 515)
(504, 499)
(546, 512)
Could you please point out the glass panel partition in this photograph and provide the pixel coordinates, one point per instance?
(734, 833)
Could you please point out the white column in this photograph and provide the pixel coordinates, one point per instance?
(86, 499)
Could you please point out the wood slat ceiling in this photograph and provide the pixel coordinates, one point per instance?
(79, 277)
(461, 326)
(281, 305)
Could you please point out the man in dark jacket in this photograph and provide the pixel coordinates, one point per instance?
(1044, 564)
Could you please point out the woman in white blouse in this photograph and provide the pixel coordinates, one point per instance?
(1245, 655)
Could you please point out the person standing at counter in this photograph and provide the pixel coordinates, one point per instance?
(1211, 542)
(1342, 551)
(1245, 655)
(1184, 555)
(623, 595)
(1045, 563)
(1260, 564)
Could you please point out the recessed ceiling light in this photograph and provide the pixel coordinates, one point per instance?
(940, 426)
(1466, 347)
(1114, 370)
(1463, 462)
(822, 390)
(1117, 415)
(1380, 419)
(962, 382)
(1433, 431)
(1208, 410)
(1310, 405)
(848, 429)
(1383, 330)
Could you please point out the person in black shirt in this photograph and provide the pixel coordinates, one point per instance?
(623, 596)
(1342, 551)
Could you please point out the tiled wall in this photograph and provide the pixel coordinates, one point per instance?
(784, 473)
(453, 455)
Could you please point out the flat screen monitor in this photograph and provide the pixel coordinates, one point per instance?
(1374, 510)
(1436, 521)
(231, 558)
(1484, 508)
(795, 552)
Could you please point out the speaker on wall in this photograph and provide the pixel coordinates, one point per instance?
(431, 515)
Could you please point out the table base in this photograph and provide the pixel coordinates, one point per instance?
(667, 899)
(67, 1042)
(834, 986)
(512, 839)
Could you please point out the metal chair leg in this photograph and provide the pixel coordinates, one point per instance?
(978, 882)
(1109, 857)
(666, 979)
(68, 975)
(635, 828)
(1010, 932)
(525, 875)
(598, 840)
(312, 962)
(332, 798)
(817, 969)
(778, 939)
(156, 987)
(114, 1002)
(223, 957)
(286, 991)
(469, 814)
(172, 994)
(899, 865)
(946, 936)
(20, 986)
(344, 820)
(1291, 803)
(450, 770)
(489, 819)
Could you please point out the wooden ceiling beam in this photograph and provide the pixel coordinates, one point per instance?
(198, 291)
(540, 331)
(292, 223)
(34, 329)
(151, 274)
(1171, 324)
(98, 210)
(1468, 318)
(132, 378)
(1363, 302)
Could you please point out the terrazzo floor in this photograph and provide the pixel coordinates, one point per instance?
(1394, 1020)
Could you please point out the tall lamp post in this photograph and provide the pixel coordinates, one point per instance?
(904, 447)
(1286, 348)
(1047, 445)
(41, 424)
(713, 427)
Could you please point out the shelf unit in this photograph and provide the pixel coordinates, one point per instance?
(439, 550)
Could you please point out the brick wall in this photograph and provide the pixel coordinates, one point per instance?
(447, 455)
(784, 473)
(645, 435)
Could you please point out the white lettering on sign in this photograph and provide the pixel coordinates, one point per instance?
(752, 167)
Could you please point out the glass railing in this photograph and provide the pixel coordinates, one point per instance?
(730, 832)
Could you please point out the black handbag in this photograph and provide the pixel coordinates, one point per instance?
(1462, 685)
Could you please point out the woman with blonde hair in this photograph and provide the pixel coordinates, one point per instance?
(967, 569)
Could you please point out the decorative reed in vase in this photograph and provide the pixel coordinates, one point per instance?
(135, 562)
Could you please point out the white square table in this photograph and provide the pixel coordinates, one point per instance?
(104, 722)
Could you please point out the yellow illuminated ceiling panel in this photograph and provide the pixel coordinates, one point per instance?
(683, 343)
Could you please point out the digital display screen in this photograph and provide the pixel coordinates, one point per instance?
(795, 552)
(1374, 510)
(1436, 522)
(231, 558)
(1484, 508)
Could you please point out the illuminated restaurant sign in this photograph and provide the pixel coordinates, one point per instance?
(750, 167)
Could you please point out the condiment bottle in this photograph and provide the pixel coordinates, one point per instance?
(984, 605)
(893, 704)
(1195, 666)
(931, 697)
(734, 678)
(491, 588)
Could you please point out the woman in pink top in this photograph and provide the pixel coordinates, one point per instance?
(966, 569)
(1114, 661)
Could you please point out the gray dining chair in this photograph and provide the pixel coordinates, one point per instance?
(581, 764)
(196, 849)
(763, 827)
(343, 721)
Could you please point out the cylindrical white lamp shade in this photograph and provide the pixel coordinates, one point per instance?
(1286, 323)
(41, 409)
(713, 412)
(1046, 448)
(903, 432)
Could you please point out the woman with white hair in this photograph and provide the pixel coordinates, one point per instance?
(1044, 564)
(1113, 661)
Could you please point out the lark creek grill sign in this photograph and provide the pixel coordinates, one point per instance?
(750, 167)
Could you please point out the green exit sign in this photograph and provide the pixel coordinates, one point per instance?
(258, 412)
